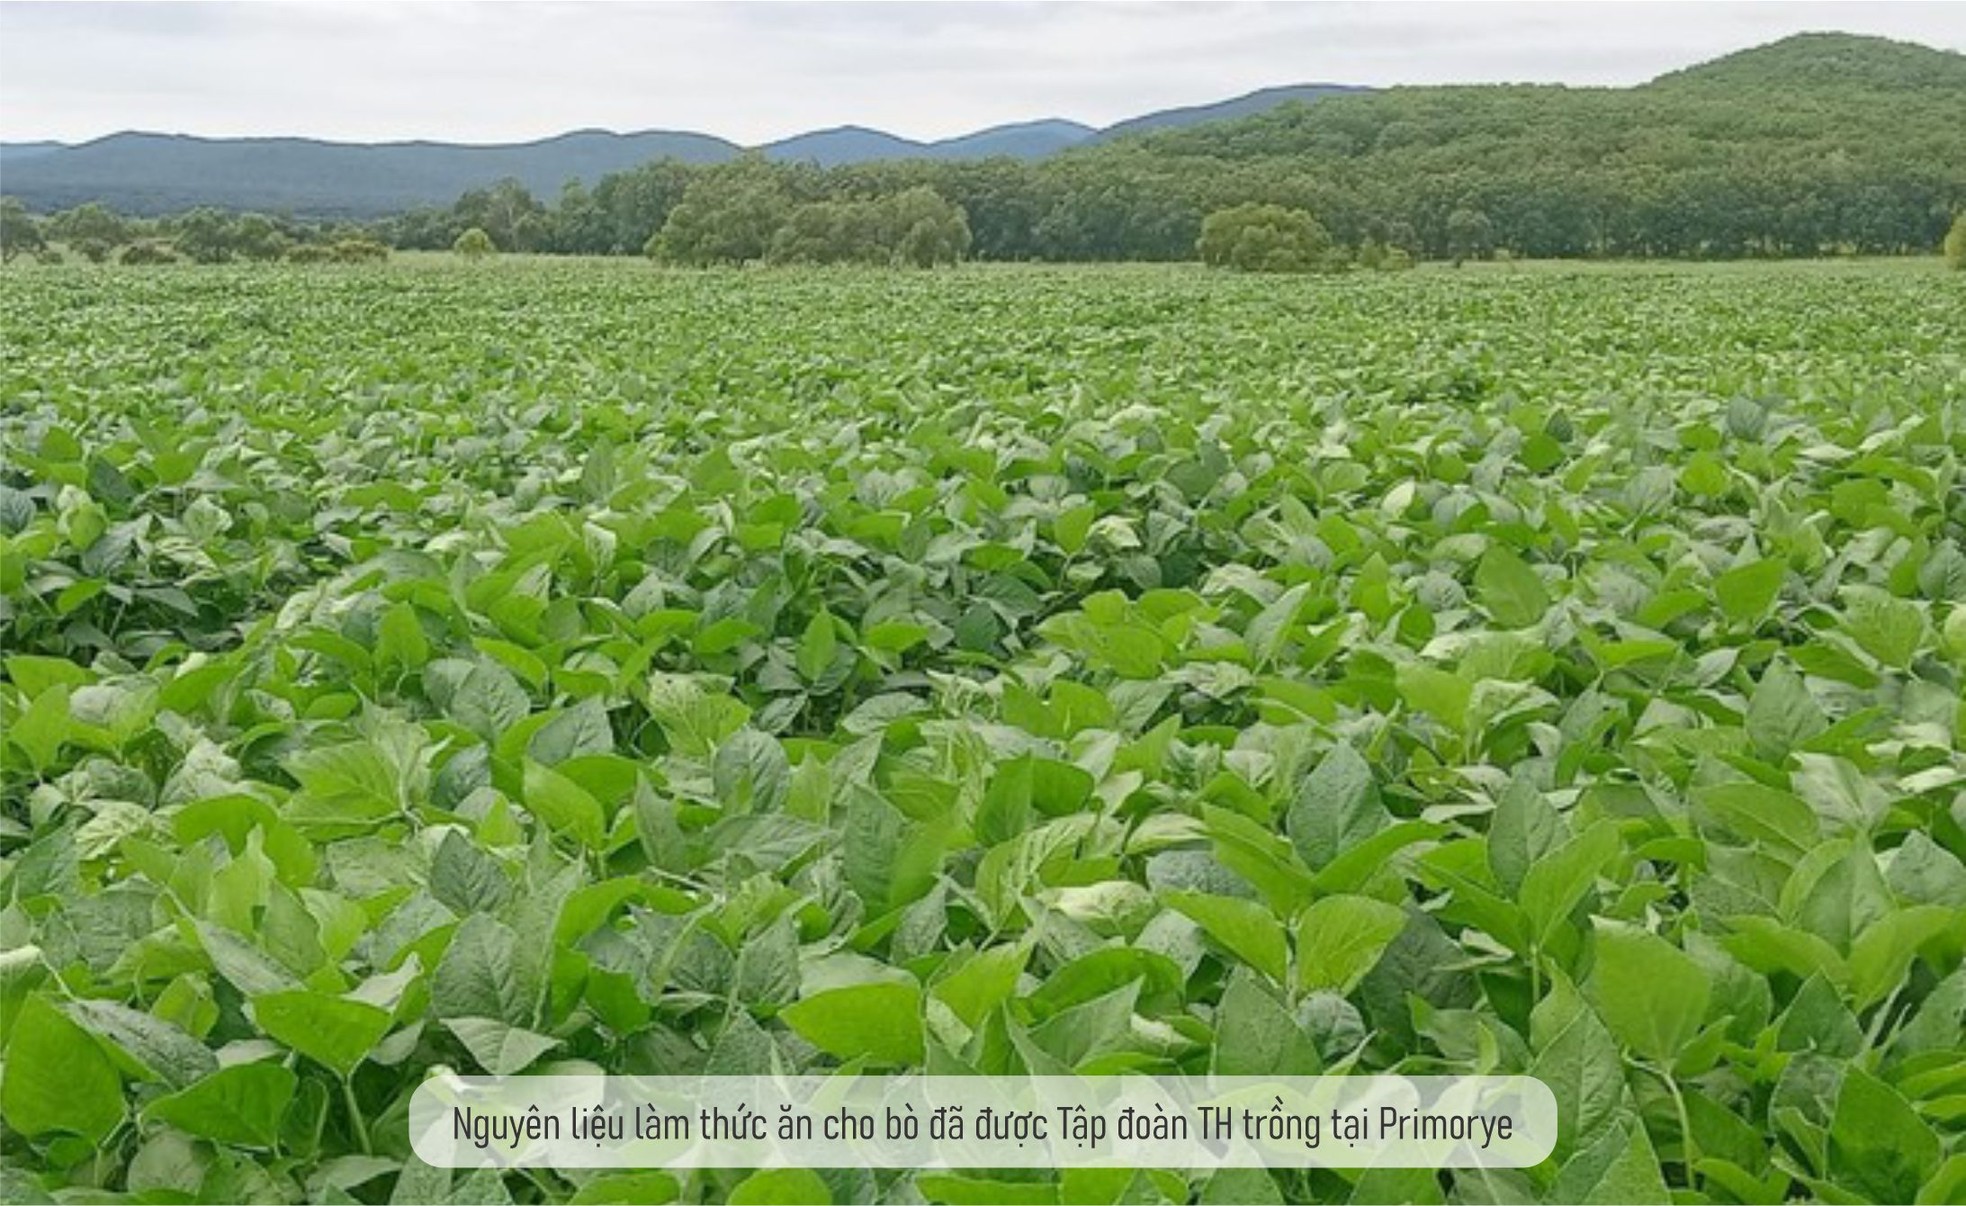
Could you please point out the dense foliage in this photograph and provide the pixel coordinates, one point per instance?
(20, 234)
(1817, 144)
(206, 236)
(746, 213)
(1264, 238)
(571, 668)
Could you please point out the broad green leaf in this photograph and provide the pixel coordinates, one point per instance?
(333, 1031)
(1767, 945)
(964, 1190)
(1262, 858)
(479, 975)
(1620, 1167)
(1523, 830)
(1817, 1020)
(161, 1050)
(1651, 994)
(1362, 860)
(400, 639)
(467, 879)
(1336, 806)
(1889, 629)
(818, 647)
(984, 981)
(1255, 1035)
(1244, 1186)
(249, 969)
(240, 1105)
(1781, 714)
(1058, 788)
(1099, 973)
(1758, 813)
(577, 731)
(880, 1021)
(1244, 928)
(1269, 629)
(751, 772)
(1442, 694)
(1556, 882)
(1878, 1145)
(485, 698)
(1339, 938)
(1578, 1059)
(1746, 592)
(40, 730)
(564, 805)
(1512, 592)
(501, 1050)
(1946, 1185)
(35, 674)
(56, 1077)
(693, 719)
(1881, 952)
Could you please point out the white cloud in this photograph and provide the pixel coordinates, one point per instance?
(753, 72)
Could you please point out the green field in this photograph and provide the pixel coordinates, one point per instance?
(576, 666)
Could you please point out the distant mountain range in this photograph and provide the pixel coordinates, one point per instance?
(13, 152)
(1260, 101)
(145, 173)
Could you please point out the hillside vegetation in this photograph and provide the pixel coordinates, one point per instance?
(1818, 144)
(1814, 141)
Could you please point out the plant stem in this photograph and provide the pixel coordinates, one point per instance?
(1689, 1148)
(355, 1120)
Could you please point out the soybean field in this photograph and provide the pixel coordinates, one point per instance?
(583, 667)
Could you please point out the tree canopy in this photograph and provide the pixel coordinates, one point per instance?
(19, 232)
(1263, 238)
(1815, 145)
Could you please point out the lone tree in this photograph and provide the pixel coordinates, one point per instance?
(19, 231)
(1956, 242)
(924, 228)
(1470, 235)
(205, 236)
(256, 237)
(1264, 238)
(88, 222)
(729, 215)
(474, 244)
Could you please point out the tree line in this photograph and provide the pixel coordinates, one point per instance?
(206, 235)
(1814, 146)
(1818, 145)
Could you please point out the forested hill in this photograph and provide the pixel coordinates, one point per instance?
(1816, 140)
(1831, 62)
(1820, 143)
(1260, 101)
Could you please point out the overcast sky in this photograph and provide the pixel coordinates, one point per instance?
(491, 72)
